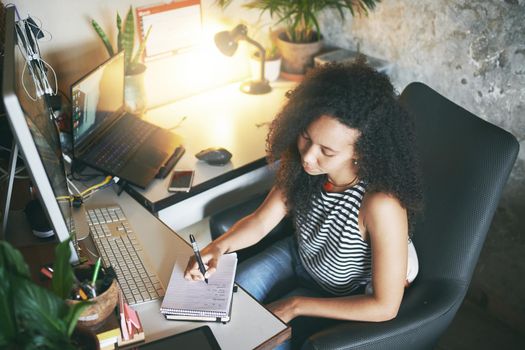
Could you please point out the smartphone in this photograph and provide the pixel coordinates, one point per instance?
(181, 180)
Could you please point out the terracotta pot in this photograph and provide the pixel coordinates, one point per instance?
(297, 57)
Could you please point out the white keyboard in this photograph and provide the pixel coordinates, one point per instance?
(119, 248)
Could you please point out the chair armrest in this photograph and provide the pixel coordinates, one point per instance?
(223, 220)
(427, 309)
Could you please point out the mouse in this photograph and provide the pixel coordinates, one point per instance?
(214, 155)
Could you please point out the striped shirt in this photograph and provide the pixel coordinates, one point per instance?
(330, 245)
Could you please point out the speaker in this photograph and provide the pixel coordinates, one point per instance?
(38, 220)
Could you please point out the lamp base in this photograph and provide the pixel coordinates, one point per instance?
(256, 87)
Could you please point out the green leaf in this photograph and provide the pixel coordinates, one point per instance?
(142, 46)
(12, 266)
(103, 37)
(63, 277)
(119, 33)
(74, 313)
(128, 36)
(300, 16)
(40, 314)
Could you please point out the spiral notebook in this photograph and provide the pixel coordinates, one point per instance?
(196, 300)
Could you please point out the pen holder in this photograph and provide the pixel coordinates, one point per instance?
(101, 305)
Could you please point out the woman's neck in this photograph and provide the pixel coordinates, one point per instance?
(333, 186)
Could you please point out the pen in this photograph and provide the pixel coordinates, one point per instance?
(202, 269)
(95, 272)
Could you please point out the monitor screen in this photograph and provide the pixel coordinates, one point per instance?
(97, 98)
(36, 133)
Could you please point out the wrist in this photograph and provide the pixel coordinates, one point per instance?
(219, 247)
(297, 306)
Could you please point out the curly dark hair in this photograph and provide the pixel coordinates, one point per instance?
(360, 98)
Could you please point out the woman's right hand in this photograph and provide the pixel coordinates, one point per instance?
(210, 257)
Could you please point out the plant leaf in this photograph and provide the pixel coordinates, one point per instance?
(119, 33)
(103, 37)
(74, 313)
(41, 315)
(128, 36)
(141, 48)
(62, 281)
(12, 266)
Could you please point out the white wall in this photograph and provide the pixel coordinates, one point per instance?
(73, 48)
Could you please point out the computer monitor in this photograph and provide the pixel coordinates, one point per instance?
(36, 134)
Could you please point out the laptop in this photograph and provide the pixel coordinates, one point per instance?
(109, 139)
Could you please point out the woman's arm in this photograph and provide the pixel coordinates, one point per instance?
(244, 233)
(386, 224)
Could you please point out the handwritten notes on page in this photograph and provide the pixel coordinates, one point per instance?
(196, 300)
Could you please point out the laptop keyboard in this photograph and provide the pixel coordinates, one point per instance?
(119, 248)
(120, 143)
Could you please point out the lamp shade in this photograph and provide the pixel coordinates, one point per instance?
(225, 43)
(228, 41)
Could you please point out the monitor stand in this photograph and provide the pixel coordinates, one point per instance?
(10, 181)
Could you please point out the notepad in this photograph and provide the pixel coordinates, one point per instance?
(196, 300)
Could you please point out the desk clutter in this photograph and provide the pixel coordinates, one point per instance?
(122, 328)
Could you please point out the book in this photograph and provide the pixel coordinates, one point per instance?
(130, 330)
(196, 300)
(109, 333)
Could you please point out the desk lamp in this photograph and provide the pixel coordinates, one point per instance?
(227, 42)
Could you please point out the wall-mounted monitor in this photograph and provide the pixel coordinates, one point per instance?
(36, 134)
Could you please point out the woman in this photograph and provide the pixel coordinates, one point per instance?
(348, 177)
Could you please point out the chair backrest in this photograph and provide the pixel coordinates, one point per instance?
(466, 162)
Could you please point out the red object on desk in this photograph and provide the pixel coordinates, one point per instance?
(46, 272)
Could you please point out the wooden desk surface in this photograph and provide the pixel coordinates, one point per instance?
(223, 117)
(251, 325)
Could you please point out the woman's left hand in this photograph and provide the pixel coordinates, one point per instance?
(285, 309)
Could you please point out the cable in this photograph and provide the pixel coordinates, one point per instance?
(81, 196)
(28, 33)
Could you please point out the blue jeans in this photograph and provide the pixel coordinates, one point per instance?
(277, 273)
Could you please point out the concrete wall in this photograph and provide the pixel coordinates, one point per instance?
(473, 52)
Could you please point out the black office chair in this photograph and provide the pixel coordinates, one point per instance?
(466, 162)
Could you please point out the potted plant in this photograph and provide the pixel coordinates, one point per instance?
(134, 67)
(33, 316)
(302, 37)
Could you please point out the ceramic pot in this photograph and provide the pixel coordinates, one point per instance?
(134, 91)
(297, 57)
(101, 306)
(272, 67)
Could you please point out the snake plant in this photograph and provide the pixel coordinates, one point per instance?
(125, 41)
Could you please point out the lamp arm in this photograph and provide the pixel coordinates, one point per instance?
(262, 52)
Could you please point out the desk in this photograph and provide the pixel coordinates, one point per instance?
(251, 325)
(223, 117)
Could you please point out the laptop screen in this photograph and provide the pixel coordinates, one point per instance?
(97, 98)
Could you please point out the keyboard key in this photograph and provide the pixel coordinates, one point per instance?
(119, 247)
